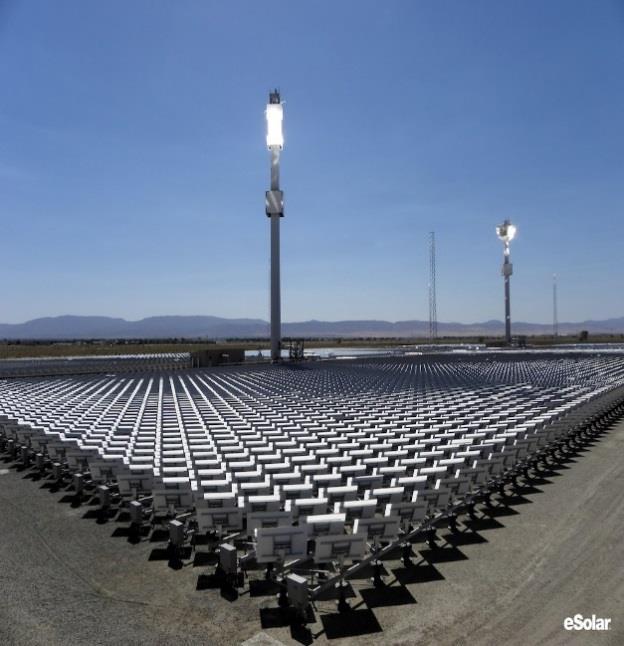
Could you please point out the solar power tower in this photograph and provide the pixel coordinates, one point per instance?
(433, 312)
(275, 211)
(506, 233)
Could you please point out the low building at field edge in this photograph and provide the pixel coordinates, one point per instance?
(207, 358)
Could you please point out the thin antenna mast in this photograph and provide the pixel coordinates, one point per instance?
(433, 313)
(555, 317)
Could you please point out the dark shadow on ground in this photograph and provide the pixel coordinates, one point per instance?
(517, 499)
(396, 595)
(101, 516)
(159, 536)
(367, 572)
(274, 618)
(393, 554)
(282, 617)
(443, 555)
(229, 593)
(133, 534)
(464, 538)
(75, 500)
(332, 594)
(350, 624)
(421, 573)
(301, 634)
(34, 476)
(175, 561)
(263, 588)
(527, 489)
(483, 523)
(208, 582)
(203, 559)
(499, 510)
(54, 487)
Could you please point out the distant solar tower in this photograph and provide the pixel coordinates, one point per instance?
(555, 317)
(433, 313)
(506, 233)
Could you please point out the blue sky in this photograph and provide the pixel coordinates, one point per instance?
(133, 164)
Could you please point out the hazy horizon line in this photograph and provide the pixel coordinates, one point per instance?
(309, 320)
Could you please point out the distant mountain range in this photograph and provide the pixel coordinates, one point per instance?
(213, 327)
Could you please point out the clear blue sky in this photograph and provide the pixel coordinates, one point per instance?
(133, 164)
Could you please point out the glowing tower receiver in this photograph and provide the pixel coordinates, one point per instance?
(275, 211)
(507, 232)
(275, 118)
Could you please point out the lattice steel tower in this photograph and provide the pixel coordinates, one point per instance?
(433, 311)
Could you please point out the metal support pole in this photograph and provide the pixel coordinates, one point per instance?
(507, 312)
(507, 271)
(276, 323)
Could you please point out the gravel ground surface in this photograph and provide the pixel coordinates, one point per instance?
(556, 550)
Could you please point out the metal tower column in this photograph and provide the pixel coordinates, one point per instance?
(275, 211)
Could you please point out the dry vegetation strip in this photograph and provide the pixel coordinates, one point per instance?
(16, 350)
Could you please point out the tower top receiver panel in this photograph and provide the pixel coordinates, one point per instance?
(506, 231)
(275, 118)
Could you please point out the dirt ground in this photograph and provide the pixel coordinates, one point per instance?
(512, 577)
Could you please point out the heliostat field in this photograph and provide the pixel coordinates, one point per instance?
(310, 470)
